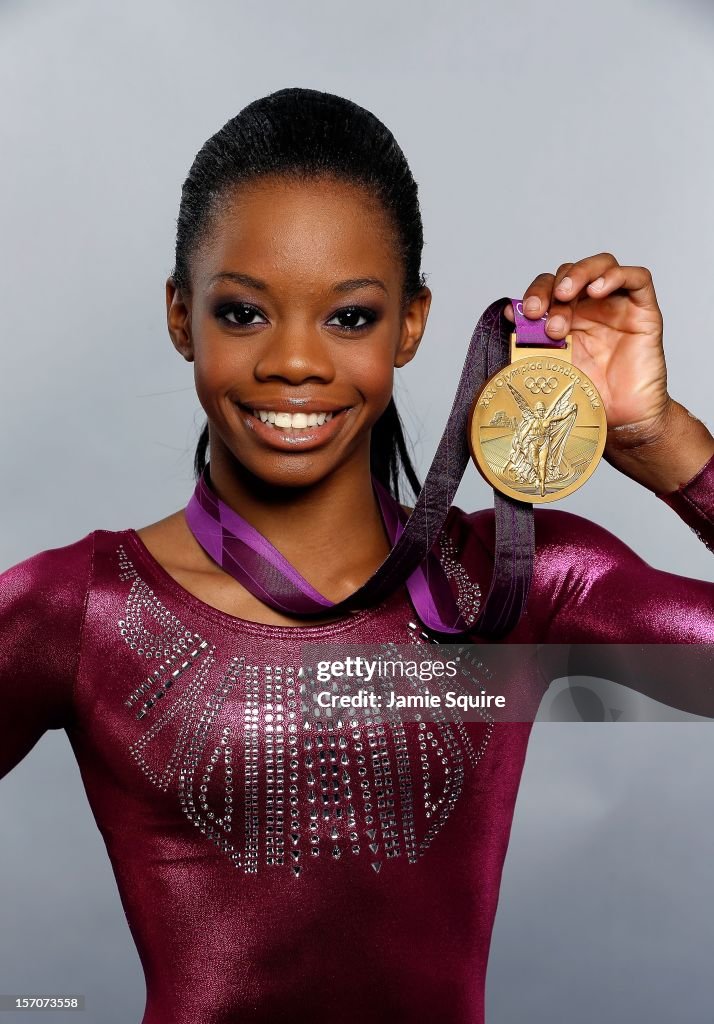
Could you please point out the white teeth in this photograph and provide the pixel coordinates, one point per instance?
(294, 421)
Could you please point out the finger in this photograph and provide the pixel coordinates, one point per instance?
(537, 300)
(637, 281)
(570, 281)
(508, 313)
(537, 296)
(560, 313)
(573, 278)
(540, 300)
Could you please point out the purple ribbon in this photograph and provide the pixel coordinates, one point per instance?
(532, 332)
(246, 554)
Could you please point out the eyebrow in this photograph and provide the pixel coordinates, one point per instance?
(350, 285)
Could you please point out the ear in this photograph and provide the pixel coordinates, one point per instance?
(178, 318)
(413, 326)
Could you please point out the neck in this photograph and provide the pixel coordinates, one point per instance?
(331, 531)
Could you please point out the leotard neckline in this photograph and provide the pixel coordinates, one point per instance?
(167, 581)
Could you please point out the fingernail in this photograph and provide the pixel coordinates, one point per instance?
(556, 323)
(565, 285)
(597, 285)
(532, 304)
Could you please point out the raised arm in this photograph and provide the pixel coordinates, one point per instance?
(42, 601)
(608, 602)
(596, 589)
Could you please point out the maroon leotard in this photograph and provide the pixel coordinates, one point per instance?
(272, 870)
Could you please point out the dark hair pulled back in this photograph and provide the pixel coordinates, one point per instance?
(305, 133)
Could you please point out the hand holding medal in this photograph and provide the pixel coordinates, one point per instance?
(590, 366)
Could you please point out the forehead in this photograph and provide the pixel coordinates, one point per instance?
(299, 231)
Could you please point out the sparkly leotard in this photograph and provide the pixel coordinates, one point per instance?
(278, 868)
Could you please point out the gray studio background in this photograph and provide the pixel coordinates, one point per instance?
(538, 133)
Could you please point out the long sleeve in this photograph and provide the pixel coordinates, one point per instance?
(694, 503)
(42, 602)
(604, 597)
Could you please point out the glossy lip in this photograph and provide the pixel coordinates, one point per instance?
(285, 439)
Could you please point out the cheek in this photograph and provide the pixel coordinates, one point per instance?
(375, 381)
(216, 373)
(370, 367)
(220, 363)
(205, 389)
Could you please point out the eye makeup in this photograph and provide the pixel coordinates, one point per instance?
(241, 314)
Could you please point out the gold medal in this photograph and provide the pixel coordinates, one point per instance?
(537, 428)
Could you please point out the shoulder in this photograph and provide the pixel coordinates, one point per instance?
(562, 538)
(43, 600)
(54, 579)
(571, 555)
(556, 527)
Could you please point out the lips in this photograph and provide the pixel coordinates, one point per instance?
(287, 438)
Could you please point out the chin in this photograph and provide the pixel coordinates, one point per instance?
(285, 475)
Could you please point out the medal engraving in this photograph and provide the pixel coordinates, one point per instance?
(537, 428)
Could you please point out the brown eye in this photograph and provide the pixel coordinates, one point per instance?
(352, 315)
(239, 314)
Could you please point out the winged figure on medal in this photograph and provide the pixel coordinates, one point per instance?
(537, 455)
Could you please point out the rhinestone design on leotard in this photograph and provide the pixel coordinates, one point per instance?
(169, 640)
(269, 777)
(468, 591)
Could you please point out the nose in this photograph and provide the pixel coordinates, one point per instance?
(295, 352)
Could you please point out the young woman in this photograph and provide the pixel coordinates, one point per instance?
(274, 865)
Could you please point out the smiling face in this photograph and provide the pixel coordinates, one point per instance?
(296, 305)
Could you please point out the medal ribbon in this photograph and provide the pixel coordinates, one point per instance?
(246, 554)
